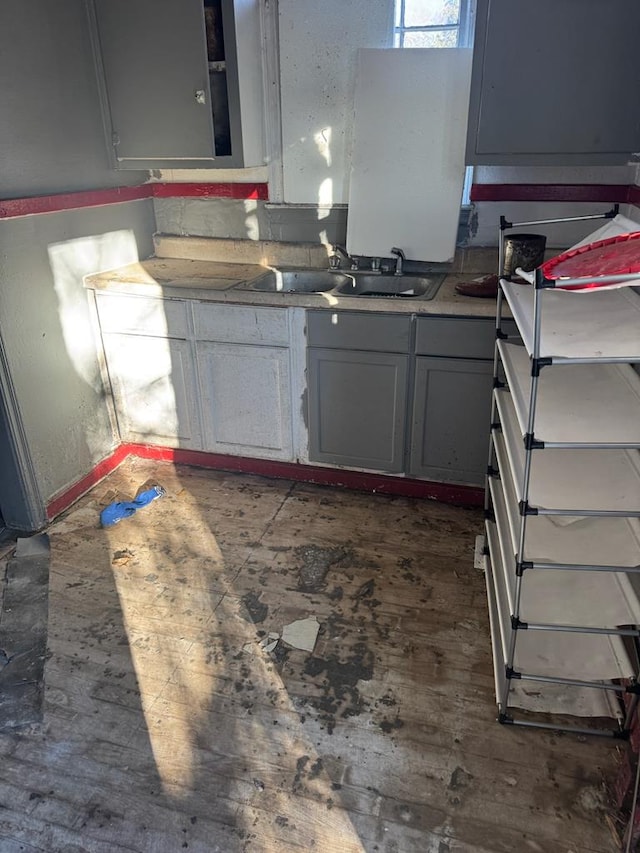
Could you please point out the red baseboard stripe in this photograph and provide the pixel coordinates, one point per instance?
(356, 480)
(13, 207)
(69, 496)
(598, 193)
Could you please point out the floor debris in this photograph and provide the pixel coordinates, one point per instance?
(115, 512)
(302, 634)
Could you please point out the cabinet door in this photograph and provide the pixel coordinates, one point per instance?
(245, 399)
(154, 58)
(553, 82)
(450, 423)
(357, 408)
(154, 390)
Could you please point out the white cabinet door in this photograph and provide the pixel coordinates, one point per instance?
(154, 389)
(245, 398)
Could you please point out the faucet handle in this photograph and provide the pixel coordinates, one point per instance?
(399, 261)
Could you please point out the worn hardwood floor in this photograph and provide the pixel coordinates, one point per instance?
(169, 727)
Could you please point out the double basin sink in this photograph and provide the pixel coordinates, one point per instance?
(341, 283)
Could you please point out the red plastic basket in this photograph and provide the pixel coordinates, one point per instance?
(618, 255)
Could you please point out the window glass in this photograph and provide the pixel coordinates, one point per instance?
(431, 38)
(421, 13)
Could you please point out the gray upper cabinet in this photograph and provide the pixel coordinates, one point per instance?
(181, 82)
(555, 82)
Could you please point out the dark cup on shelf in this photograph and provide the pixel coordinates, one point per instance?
(525, 251)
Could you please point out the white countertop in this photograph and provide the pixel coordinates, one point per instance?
(214, 281)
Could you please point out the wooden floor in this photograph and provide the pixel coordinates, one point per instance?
(169, 727)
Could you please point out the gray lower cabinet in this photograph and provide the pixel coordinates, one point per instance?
(245, 397)
(451, 408)
(451, 404)
(357, 406)
(401, 394)
(357, 371)
(154, 389)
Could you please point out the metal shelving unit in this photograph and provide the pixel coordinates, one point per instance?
(562, 507)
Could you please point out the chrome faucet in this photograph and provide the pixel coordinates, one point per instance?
(334, 260)
(400, 260)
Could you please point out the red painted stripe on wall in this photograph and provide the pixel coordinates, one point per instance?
(599, 193)
(634, 195)
(10, 208)
(199, 190)
(13, 207)
(356, 480)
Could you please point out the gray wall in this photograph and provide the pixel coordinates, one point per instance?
(52, 141)
(45, 324)
(51, 132)
(250, 220)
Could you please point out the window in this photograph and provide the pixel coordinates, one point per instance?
(433, 23)
(436, 23)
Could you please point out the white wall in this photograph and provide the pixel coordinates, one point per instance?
(486, 214)
(318, 46)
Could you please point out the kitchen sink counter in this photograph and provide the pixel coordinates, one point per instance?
(214, 281)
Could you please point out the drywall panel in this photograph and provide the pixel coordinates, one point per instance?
(408, 157)
(318, 45)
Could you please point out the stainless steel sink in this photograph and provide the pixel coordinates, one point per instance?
(351, 283)
(406, 286)
(296, 281)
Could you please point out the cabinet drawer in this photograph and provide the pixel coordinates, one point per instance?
(458, 337)
(142, 315)
(239, 324)
(359, 331)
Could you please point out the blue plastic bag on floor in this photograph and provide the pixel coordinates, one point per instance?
(115, 512)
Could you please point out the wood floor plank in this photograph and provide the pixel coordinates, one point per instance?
(168, 724)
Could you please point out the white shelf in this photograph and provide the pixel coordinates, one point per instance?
(589, 541)
(594, 325)
(593, 403)
(571, 480)
(557, 597)
(559, 654)
(544, 698)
